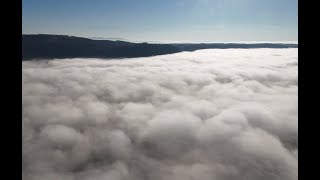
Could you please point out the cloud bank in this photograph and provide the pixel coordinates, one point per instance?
(209, 114)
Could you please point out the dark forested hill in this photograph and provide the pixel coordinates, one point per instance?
(61, 46)
(44, 46)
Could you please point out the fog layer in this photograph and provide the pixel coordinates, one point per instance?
(210, 114)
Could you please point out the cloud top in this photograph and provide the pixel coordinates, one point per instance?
(209, 114)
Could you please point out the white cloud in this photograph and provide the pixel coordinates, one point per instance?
(208, 114)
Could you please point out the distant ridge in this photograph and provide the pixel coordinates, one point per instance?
(111, 39)
(193, 47)
(46, 46)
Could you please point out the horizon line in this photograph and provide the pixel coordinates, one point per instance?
(171, 41)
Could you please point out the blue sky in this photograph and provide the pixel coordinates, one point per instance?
(165, 20)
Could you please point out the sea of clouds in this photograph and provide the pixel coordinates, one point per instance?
(225, 114)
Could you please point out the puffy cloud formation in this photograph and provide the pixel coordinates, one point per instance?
(209, 114)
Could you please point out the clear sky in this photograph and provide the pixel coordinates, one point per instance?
(164, 20)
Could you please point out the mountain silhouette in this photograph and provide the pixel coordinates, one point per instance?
(193, 47)
(62, 46)
(45, 46)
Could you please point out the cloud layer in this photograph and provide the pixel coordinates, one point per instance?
(209, 114)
